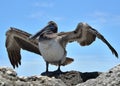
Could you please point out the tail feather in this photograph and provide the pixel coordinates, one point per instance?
(67, 61)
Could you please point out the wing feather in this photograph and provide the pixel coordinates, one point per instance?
(101, 37)
(84, 35)
(15, 41)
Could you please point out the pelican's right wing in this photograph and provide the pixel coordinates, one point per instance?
(15, 41)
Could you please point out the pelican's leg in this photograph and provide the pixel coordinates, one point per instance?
(47, 65)
(59, 67)
(46, 72)
(58, 71)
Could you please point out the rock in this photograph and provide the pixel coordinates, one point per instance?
(8, 77)
(110, 78)
(72, 78)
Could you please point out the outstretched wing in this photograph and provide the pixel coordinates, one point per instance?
(104, 40)
(84, 35)
(15, 41)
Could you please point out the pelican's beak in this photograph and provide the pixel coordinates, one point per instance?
(51, 27)
(45, 29)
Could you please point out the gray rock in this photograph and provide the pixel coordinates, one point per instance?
(72, 78)
(8, 77)
(110, 78)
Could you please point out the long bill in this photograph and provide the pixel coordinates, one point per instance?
(39, 32)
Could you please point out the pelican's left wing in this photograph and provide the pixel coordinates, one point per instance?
(84, 34)
(15, 41)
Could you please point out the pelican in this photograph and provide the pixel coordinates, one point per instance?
(50, 44)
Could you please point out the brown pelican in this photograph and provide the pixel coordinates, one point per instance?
(50, 44)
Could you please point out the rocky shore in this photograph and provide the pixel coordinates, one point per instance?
(8, 77)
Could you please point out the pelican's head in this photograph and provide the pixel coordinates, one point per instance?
(50, 28)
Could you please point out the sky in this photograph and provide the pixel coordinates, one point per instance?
(33, 15)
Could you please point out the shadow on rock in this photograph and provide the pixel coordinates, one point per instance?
(71, 78)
